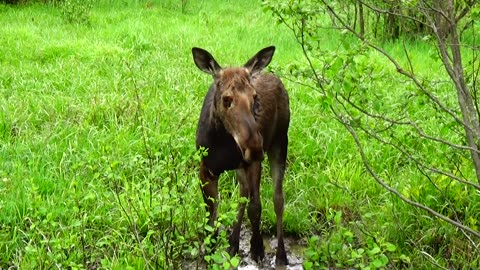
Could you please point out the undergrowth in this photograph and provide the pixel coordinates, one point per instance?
(99, 166)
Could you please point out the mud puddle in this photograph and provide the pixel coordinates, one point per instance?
(294, 247)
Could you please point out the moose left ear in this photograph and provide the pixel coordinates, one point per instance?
(205, 61)
(260, 60)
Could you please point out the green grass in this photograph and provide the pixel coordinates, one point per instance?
(97, 127)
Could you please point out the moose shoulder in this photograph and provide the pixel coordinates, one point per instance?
(245, 113)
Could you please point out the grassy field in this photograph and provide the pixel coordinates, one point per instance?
(98, 162)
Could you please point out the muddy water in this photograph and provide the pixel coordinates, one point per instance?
(294, 247)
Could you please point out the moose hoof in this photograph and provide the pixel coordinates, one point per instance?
(258, 257)
(281, 259)
(232, 250)
(257, 253)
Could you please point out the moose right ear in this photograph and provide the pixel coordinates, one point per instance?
(205, 61)
(260, 60)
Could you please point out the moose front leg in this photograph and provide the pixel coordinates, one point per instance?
(254, 211)
(210, 192)
(234, 239)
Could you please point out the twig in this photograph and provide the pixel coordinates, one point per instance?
(394, 191)
(432, 260)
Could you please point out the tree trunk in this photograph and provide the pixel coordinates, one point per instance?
(361, 19)
(448, 42)
(392, 22)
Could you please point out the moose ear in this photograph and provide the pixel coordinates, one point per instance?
(260, 60)
(205, 61)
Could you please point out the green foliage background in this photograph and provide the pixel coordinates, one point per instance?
(98, 110)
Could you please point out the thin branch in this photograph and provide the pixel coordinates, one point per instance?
(399, 68)
(410, 123)
(301, 40)
(288, 78)
(420, 163)
(411, 157)
(394, 191)
(465, 10)
(410, 65)
(432, 260)
(305, 53)
(386, 11)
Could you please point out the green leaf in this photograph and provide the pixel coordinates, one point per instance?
(235, 262)
(405, 258)
(380, 261)
(307, 265)
(374, 250)
(377, 263)
(390, 247)
(209, 228)
(355, 255)
(338, 217)
(206, 241)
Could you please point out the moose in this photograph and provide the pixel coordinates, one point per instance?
(245, 113)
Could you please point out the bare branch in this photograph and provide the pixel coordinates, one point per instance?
(416, 160)
(432, 260)
(405, 51)
(398, 68)
(465, 10)
(394, 191)
(386, 11)
(409, 123)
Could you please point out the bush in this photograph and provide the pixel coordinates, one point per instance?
(76, 11)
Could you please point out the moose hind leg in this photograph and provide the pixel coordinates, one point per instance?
(254, 211)
(234, 239)
(277, 160)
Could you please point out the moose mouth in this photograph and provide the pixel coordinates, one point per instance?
(250, 153)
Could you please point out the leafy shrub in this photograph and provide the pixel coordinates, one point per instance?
(76, 11)
(344, 247)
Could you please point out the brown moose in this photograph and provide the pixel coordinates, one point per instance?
(245, 113)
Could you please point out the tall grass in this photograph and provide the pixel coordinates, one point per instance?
(97, 130)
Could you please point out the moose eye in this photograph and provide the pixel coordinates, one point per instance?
(256, 104)
(227, 101)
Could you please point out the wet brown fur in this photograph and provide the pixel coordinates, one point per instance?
(245, 113)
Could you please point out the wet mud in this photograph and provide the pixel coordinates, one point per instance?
(294, 247)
